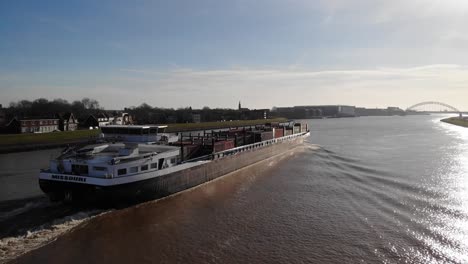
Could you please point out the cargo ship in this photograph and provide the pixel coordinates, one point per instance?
(137, 163)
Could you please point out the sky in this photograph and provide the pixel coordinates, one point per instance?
(265, 53)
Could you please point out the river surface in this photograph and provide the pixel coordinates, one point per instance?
(369, 189)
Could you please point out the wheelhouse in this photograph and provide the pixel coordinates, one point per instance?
(149, 133)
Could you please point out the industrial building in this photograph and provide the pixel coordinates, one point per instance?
(316, 111)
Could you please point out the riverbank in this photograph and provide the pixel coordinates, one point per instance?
(26, 142)
(456, 121)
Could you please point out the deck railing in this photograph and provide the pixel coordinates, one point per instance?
(252, 146)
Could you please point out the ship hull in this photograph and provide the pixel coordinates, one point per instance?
(164, 185)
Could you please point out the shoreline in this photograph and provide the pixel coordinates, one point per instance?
(455, 121)
(39, 146)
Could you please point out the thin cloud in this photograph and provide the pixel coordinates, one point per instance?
(267, 87)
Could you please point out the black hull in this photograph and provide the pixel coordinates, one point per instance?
(165, 185)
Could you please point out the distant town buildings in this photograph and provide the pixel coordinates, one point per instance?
(33, 125)
(68, 122)
(105, 119)
(3, 119)
(246, 113)
(196, 118)
(90, 122)
(389, 111)
(240, 107)
(315, 111)
(333, 111)
(256, 114)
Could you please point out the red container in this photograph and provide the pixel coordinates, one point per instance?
(191, 150)
(279, 132)
(223, 145)
(262, 136)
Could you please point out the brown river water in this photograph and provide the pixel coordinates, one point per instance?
(371, 190)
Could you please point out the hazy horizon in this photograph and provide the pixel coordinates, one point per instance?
(212, 53)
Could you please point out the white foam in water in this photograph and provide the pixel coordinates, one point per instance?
(12, 247)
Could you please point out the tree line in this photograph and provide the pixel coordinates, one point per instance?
(143, 114)
(48, 109)
(146, 114)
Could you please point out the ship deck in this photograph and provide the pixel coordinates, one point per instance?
(112, 150)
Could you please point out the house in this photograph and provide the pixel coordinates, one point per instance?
(32, 125)
(2, 116)
(68, 122)
(196, 118)
(91, 122)
(103, 119)
(13, 127)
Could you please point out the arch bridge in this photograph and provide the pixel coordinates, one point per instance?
(434, 103)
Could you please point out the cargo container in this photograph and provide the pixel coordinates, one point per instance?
(223, 145)
(190, 151)
(279, 132)
(262, 136)
(297, 128)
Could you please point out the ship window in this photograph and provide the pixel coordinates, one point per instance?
(122, 172)
(161, 161)
(79, 169)
(173, 160)
(134, 131)
(144, 167)
(154, 165)
(133, 169)
(100, 168)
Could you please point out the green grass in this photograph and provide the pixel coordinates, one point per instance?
(70, 136)
(47, 138)
(456, 121)
(213, 125)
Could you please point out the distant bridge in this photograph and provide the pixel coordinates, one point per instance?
(434, 103)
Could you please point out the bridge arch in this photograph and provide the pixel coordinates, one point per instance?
(433, 103)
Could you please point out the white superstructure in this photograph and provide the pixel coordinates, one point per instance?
(143, 133)
(143, 151)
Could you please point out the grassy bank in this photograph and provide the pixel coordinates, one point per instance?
(47, 138)
(19, 142)
(456, 121)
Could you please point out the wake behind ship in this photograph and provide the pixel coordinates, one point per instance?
(137, 163)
